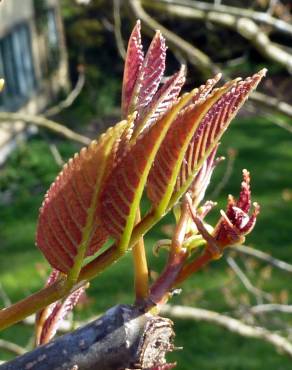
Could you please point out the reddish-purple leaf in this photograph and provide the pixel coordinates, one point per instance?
(140, 88)
(170, 149)
(58, 313)
(162, 101)
(69, 218)
(237, 221)
(164, 98)
(43, 315)
(151, 72)
(123, 189)
(192, 138)
(149, 77)
(202, 179)
(213, 125)
(133, 63)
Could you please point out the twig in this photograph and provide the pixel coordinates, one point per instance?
(258, 293)
(159, 291)
(271, 307)
(41, 121)
(66, 103)
(5, 298)
(56, 154)
(11, 347)
(117, 28)
(282, 265)
(279, 122)
(231, 324)
(272, 103)
(227, 174)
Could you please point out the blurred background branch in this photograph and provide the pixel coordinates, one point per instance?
(200, 61)
(229, 323)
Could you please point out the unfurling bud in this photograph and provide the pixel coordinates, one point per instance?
(236, 222)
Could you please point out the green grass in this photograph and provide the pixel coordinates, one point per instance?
(262, 148)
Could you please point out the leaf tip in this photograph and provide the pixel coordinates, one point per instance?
(263, 72)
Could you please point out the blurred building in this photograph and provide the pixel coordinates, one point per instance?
(33, 59)
(32, 54)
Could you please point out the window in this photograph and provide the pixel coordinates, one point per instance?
(16, 67)
(53, 40)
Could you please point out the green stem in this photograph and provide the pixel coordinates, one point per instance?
(159, 291)
(32, 304)
(141, 281)
(194, 266)
(48, 295)
(54, 292)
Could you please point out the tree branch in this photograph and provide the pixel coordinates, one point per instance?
(244, 249)
(72, 96)
(231, 324)
(11, 347)
(117, 29)
(123, 338)
(43, 122)
(258, 293)
(231, 155)
(271, 307)
(271, 103)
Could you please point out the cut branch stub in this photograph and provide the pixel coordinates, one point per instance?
(191, 139)
(69, 225)
(123, 338)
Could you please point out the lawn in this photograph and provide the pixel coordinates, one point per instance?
(261, 147)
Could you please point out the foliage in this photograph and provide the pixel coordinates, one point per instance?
(33, 163)
(80, 185)
(87, 204)
(167, 145)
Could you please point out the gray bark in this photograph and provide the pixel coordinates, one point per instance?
(124, 338)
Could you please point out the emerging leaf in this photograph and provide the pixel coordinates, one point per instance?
(123, 189)
(60, 310)
(202, 179)
(142, 76)
(191, 139)
(43, 315)
(236, 222)
(69, 225)
(140, 92)
(165, 97)
(151, 73)
(133, 63)
(172, 148)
